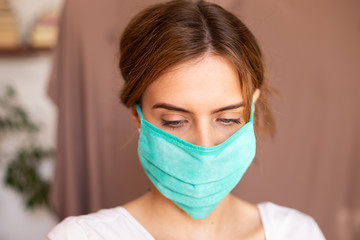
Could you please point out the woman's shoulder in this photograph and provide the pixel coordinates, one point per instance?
(286, 223)
(107, 223)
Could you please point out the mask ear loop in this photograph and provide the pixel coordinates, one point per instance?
(252, 111)
(138, 109)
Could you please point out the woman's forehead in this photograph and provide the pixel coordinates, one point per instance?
(209, 80)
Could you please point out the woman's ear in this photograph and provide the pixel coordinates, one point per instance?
(256, 95)
(135, 116)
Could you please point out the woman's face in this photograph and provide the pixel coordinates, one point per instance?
(199, 101)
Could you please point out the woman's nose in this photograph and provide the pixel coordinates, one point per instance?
(205, 136)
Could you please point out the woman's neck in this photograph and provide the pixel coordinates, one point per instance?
(233, 218)
(171, 216)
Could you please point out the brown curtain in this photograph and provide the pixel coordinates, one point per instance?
(312, 52)
(96, 157)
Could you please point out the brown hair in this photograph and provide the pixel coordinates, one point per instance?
(167, 34)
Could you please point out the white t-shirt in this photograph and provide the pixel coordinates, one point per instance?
(280, 223)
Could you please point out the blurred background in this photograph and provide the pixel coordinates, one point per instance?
(67, 146)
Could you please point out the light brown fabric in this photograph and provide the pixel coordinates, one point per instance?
(96, 149)
(312, 52)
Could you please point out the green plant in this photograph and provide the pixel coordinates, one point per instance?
(22, 169)
(14, 117)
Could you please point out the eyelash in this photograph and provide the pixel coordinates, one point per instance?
(177, 124)
(229, 121)
(172, 124)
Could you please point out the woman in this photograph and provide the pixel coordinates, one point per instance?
(194, 78)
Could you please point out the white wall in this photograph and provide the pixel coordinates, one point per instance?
(29, 75)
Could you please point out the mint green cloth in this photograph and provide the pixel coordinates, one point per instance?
(195, 178)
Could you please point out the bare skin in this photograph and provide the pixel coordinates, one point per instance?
(233, 218)
(199, 101)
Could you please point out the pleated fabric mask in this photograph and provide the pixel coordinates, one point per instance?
(195, 178)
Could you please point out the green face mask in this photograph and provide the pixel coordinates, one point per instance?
(195, 178)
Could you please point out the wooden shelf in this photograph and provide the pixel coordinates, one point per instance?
(23, 51)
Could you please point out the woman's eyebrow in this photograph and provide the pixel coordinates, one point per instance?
(230, 107)
(178, 109)
(170, 107)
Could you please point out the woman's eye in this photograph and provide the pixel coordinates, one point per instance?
(173, 124)
(229, 121)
